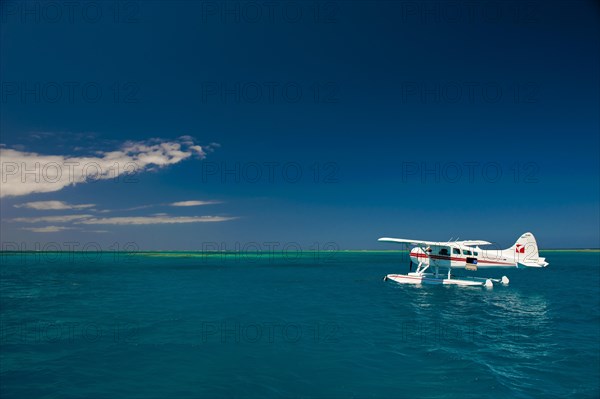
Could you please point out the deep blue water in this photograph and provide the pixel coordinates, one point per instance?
(100, 327)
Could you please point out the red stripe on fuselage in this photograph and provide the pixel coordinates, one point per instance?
(445, 257)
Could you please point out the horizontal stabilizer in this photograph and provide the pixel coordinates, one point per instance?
(540, 262)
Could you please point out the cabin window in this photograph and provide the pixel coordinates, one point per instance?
(456, 251)
(475, 253)
(444, 251)
(465, 252)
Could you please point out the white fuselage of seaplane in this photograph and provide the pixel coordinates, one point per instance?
(461, 256)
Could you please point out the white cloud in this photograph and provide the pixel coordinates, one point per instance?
(52, 219)
(193, 203)
(46, 229)
(28, 172)
(52, 205)
(160, 219)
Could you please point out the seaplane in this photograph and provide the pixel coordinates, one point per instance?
(431, 256)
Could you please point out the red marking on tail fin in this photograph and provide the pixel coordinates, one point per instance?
(520, 249)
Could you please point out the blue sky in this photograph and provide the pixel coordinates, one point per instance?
(311, 123)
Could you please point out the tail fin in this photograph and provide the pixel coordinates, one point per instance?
(526, 252)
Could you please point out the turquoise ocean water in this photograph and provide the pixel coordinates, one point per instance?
(165, 326)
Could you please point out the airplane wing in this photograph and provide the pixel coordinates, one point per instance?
(436, 243)
(408, 241)
(473, 242)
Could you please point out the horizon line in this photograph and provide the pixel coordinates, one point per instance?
(252, 252)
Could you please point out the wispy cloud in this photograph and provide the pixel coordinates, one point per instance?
(52, 205)
(28, 172)
(158, 219)
(47, 229)
(133, 208)
(193, 203)
(178, 204)
(51, 219)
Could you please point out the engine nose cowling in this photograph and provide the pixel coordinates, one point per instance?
(418, 255)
